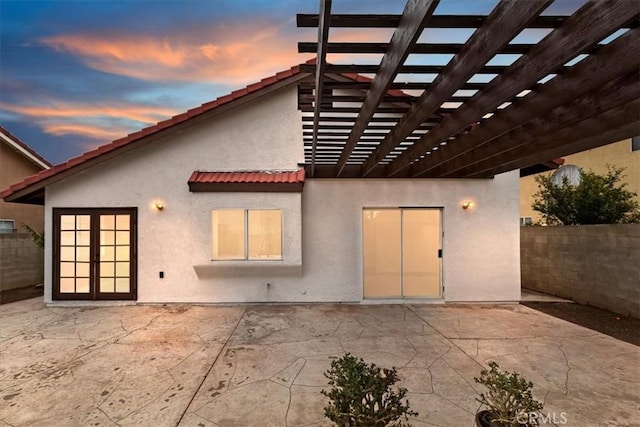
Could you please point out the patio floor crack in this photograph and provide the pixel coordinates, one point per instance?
(204, 377)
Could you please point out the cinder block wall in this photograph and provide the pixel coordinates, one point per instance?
(21, 262)
(597, 265)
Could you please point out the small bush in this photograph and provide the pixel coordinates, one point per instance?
(361, 395)
(508, 396)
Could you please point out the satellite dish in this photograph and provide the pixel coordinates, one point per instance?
(572, 173)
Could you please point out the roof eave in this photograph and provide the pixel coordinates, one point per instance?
(33, 193)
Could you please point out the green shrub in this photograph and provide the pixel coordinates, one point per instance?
(508, 397)
(361, 395)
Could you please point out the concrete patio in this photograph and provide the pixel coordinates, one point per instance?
(262, 365)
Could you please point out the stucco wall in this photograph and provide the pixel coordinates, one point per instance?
(322, 228)
(14, 168)
(21, 262)
(590, 264)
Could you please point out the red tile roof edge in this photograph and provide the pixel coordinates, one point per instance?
(30, 150)
(160, 126)
(253, 177)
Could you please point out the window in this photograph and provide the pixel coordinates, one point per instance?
(635, 143)
(526, 220)
(247, 234)
(7, 226)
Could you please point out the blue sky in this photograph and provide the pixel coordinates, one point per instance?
(75, 74)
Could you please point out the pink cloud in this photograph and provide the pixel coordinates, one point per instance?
(140, 113)
(87, 131)
(229, 54)
(93, 121)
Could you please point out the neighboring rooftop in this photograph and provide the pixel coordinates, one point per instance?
(27, 152)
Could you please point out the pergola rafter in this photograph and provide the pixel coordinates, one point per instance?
(422, 119)
(403, 42)
(611, 96)
(611, 62)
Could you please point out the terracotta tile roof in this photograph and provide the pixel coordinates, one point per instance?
(36, 158)
(285, 181)
(37, 182)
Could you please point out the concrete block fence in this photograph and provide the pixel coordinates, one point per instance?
(598, 265)
(21, 262)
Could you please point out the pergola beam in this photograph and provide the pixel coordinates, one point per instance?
(324, 24)
(613, 95)
(404, 69)
(614, 60)
(373, 48)
(415, 14)
(590, 24)
(506, 20)
(436, 21)
(614, 125)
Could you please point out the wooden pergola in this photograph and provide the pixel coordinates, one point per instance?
(576, 88)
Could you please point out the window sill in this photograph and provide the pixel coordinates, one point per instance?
(245, 268)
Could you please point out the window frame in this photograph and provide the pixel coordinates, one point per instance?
(246, 235)
(526, 221)
(6, 230)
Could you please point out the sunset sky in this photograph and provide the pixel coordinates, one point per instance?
(75, 74)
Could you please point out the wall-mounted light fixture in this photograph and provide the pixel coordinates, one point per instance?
(466, 204)
(158, 205)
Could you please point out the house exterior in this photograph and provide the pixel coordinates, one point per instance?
(21, 260)
(622, 154)
(18, 161)
(213, 206)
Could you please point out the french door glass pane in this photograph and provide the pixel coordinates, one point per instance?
(107, 284)
(382, 253)
(83, 222)
(67, 284)
(67, 253)
(107, 253)
(82, 285)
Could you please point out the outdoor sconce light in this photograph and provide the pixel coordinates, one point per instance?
(466, 204)
(158, 205)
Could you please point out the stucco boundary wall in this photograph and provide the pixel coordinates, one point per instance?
(21, 262)
(598, 265)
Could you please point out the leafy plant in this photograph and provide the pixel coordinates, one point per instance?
(597, 199)
(508, 397)
(38, 238)
(361, 395)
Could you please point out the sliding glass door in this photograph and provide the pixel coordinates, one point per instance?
(402, 253)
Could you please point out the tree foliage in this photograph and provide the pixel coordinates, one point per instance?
(361, 395)
(597, 199)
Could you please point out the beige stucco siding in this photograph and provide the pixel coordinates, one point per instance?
(14, 167)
